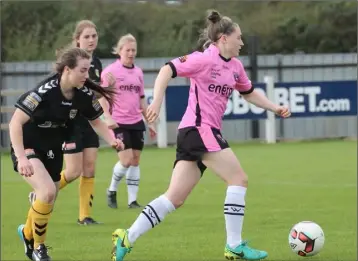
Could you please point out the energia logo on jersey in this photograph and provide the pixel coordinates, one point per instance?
(224, 90)
(48, 86)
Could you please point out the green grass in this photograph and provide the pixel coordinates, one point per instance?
(288, 183)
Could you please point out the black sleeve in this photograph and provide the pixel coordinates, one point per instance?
(100, 67)
(90, 108)
(29, 101)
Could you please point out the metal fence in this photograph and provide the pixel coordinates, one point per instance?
(16, 77)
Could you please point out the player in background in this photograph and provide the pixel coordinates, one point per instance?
(81, 147)
(42, 120)
(214, 75)
(125, 118)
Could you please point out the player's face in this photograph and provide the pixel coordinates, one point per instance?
(88, 39)
(128, 52)
(234, 42)
(78, 75)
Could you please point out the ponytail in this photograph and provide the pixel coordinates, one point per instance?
(108, 92)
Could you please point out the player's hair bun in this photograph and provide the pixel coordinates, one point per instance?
(214, 16)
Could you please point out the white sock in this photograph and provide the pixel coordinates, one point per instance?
(133, 178)
(151, 216)
(118, 173)
(234, 211)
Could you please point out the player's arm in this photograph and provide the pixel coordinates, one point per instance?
(184, 66)
(92, 110)
(260, 100)
(105, 107)
(143, 102)
(17, 121)
(25, 108)
(161, 83)
(248, 92)
(102, 130)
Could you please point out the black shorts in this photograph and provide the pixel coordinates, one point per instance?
(193, 142)
(83, 137)
(132, 139)
(51, 158)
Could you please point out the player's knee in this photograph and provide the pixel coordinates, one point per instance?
(88, 169)
(239, 179)
(47, 194)
(126, 161)
(135, 161)
(73, 172)
(176, 201)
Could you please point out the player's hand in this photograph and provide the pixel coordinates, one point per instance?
(111, 123)
(110, 79)
(24, 167)
(152, 112)
(118, 144)
(152, 130)
(283, 111)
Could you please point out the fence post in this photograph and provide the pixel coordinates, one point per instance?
(253, 47)
(270, 122)
(281, 127)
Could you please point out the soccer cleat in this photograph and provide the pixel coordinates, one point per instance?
(112, 199)
(243, 251)
(134, 204)
(29, 244)
(121, 244)
(41, 254)
(32, 197)
(88, 221)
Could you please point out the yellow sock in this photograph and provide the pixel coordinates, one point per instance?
(63, 181)
(86, 189)
(41, 213)
(28, 225)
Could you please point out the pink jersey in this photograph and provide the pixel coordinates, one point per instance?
(130, 90)
(212, 81)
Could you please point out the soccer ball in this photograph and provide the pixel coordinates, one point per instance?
(306, 238)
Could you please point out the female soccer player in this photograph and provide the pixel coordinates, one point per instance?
(214, 75)
(81, 147)
(126, 118)
(38, 128)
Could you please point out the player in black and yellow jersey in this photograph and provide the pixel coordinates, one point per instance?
(81, 147)
(42, 121)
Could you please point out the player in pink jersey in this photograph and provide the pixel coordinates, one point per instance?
(214, 75)
(125, 118)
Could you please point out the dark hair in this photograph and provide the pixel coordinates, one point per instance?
(217, 26)
(68, 57)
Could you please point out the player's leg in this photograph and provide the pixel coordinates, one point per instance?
(133, 173)
(44, 185)
(25, 230)
(86, 187)
(72, 150)
(121, 167)
(73, 170)
(225, 164)
(90, 143)
(186, 175)
(73, 154)
(133, 179)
